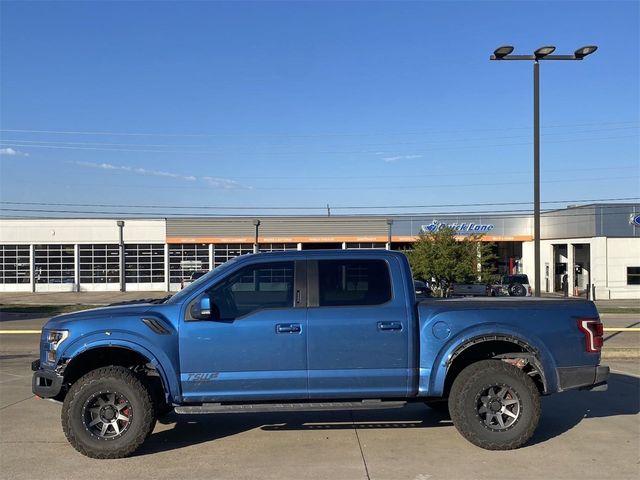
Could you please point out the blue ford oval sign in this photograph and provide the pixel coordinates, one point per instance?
(635, 220)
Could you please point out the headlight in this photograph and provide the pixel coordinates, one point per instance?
(55, 338)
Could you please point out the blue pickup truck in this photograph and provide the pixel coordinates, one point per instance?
(314, 330)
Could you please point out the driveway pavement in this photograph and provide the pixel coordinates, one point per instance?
(582, 436)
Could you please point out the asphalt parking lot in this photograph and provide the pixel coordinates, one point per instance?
(582, 435)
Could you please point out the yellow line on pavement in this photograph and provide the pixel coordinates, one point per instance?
(19, 332)
(628, 329)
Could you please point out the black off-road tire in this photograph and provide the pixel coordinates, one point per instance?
(465, 398)
(517, 290)
(102, 381)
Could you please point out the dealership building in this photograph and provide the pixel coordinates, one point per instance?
(592, 244)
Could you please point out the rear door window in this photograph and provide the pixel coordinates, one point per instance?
(353, 282)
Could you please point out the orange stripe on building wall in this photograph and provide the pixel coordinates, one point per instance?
(333, 239)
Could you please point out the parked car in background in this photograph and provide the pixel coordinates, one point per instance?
(422, 289)
(512, 286)
(192, 278)
(470, 290)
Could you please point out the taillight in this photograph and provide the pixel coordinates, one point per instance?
(593, 331)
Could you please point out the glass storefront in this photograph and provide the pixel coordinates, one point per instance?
(144, 263)
(54, 264)
(278, 247)
(99, 264)
(226, 251)
(14, 263)
(184, 259)
(366, 245)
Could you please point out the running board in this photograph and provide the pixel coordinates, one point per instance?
(287, 407)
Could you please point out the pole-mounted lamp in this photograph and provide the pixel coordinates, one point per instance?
(389, 224)
(256, 246)
(543, 53)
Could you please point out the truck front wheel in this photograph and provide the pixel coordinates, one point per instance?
(494, 405)
(108, 413)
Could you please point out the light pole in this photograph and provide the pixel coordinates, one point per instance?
(256, 245)
(543, 53)
(390, 225)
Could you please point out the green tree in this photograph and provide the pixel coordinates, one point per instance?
(439, 256)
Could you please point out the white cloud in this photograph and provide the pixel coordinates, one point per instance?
(12, 153)
(395, 158)
(212, 181)
(225, 183)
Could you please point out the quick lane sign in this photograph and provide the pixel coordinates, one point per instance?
(464, 228)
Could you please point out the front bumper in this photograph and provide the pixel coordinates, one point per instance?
(584, 378)
(45, 383)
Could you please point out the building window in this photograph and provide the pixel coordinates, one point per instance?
(14, 263)
(278, 247)
(353, 282)
(366, 245)
(226, 251)
(54, 263)
(144, 263)
(99, 263)
(633, 275)
(184, 259)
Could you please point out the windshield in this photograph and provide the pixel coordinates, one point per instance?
(192, 287)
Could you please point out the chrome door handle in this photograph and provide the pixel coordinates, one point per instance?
(389, 326)
(288, 328)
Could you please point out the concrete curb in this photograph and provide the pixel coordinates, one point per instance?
(619, 353)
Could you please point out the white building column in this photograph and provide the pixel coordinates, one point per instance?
(606, 264)
(32, 268)
(76, 267)
(344, 245)
(571, 268)
(550, 264)
(210, 256)
(167, 280)
(299, 246)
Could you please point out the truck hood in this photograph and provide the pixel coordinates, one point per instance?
(63, 321)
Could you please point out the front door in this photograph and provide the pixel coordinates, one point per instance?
(358, 330)
(255, 346)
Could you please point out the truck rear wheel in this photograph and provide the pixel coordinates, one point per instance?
(108, 413)
(494, 405)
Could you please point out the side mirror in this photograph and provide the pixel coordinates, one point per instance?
(201, 308)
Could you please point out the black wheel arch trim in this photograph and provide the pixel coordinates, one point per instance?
(65, 362)
(531, 353)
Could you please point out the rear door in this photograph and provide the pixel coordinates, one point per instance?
(357, 329)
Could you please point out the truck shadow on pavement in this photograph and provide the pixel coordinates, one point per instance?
(190, 430)
(560, 413)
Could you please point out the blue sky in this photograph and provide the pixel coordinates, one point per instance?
(300, 104)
